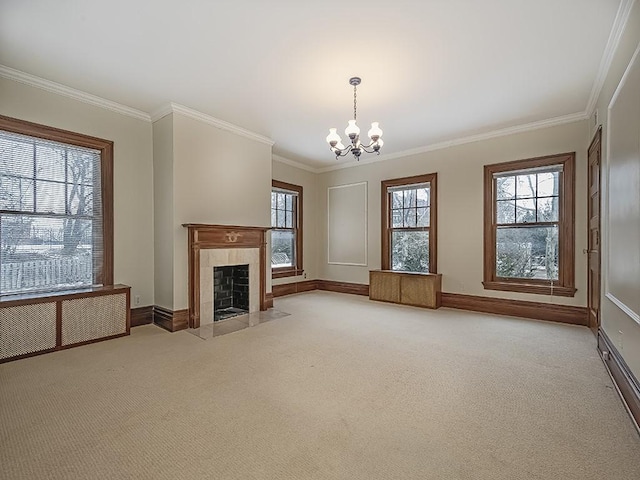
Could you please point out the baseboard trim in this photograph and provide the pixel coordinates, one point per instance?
(327, 285)
(343, 287)
(295, 287)
(500, 306)
(268, 302)
(626, 383)
(171, 320)
(517, 308)
(141, 316)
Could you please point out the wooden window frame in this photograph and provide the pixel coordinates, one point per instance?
(104, 257)
(432, 179)
(296, 269)
(565, 285)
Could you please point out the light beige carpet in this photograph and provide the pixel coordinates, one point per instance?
(343, 388)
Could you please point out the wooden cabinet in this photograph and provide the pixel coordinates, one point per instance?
(32, 324)
(408, 288)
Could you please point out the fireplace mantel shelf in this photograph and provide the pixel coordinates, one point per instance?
(208, 236)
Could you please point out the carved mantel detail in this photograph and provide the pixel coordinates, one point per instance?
(206, 236)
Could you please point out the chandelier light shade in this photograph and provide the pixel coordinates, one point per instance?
(353, 132)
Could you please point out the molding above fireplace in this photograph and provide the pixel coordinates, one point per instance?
(206, 236)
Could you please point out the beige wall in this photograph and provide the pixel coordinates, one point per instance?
(620, 327)
(460, 206)
(219, 177)
(308, 181)
(133, 185)
(163, 211)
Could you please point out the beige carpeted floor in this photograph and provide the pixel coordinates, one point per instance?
(343, 388)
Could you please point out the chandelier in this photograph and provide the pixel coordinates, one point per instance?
(353, 132)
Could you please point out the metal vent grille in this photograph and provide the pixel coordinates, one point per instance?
(27, 329)
(85, 319)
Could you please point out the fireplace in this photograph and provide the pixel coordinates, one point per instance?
(215, 246)
(230, 291)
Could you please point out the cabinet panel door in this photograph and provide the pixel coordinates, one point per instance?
(384, 287)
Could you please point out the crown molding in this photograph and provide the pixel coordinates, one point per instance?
(208, 119)
(295, 164)
(619, 24)
(527, 127)
(48, 85)
(161, 112)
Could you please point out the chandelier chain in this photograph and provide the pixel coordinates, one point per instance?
(354, 102)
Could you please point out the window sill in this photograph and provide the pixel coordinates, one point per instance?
(539, 289)
(286, 273)
(59, 295)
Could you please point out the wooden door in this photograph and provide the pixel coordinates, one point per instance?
(593, 241)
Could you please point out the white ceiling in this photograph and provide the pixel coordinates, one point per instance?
(432, 71)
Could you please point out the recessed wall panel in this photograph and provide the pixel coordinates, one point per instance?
(347, 228)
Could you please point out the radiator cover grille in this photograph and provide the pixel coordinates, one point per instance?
(27, 329)
(85, 319)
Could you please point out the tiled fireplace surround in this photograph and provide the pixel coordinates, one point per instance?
(220, 245)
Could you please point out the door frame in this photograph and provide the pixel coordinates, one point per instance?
(596, 142)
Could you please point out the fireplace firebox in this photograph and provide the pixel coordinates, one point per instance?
(230, 291)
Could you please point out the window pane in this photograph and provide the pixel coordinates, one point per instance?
(523, 252)
(548, 184)
(505, 187)
(506, 211)
(289, 202)
(410, 251)
(409, 198)
(396, 218)
(16, 157)
(80, 200)
(274, 201)
(50, 197)
(423, 217)
(281, 201)
(80, 165)
(44, 253)
(282, 248)
(280, 221)
(525, 210)
(289, 219)
(548, 209)
(410, 217)
(396, 199)
(16, 194)
(50, 163)
(423, 196)
(526, 186)
(273, 217)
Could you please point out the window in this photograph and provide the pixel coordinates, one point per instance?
(409, 224)
(286, 229)
(529, 226)
(56, 214)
